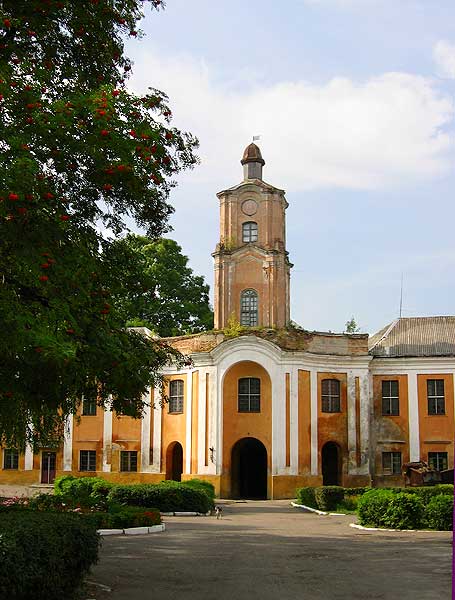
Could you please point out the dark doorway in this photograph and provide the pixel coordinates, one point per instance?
(249, 469)
(330, 464)
(174, 461)
(48, 460)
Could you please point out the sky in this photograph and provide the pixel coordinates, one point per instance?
(354, 103)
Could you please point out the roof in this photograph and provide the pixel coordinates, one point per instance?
(415, 336)
(252, 154)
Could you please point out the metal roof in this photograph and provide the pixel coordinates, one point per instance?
(415, 336)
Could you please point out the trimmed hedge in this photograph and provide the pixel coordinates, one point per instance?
(168, 496)
(329, 496)
(121, 517)
(404, 511)
(439, 513)
(372, 507)
(200, 484)
(85, 491)
(45, 556)
(307, 497)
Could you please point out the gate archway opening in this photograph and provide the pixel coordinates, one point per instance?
(174, 461)
(331, 471)
(249, 469)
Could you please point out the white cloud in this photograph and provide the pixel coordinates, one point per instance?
(345, 3)
(444, 57)
(386, 131)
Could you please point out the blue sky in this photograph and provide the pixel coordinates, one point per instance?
(354, 102)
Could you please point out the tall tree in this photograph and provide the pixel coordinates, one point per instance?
(162, 291)
(77, 150)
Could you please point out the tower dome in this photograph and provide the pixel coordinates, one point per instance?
(252, 162)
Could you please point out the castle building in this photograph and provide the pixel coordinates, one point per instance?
(266, 407)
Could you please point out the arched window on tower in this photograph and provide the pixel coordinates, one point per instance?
(249, 308)
(250, 232)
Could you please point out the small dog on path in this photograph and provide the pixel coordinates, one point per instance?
(218, 511)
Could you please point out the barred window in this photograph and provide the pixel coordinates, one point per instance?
(435, 396)
(250, 232)
(128, 460)
(330, 395)
(391, 463)
(176, 396)
(87, 460)
(89, 407)
(10, 458)
(249, 398)
(249, 308)
(438, 460)
(390, 398)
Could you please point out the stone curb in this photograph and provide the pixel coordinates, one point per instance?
(134, 530)
(184, 514)
(315, 510)
(356, 526)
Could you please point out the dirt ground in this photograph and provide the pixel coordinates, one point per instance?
(268, 550)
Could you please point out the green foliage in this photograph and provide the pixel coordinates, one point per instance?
(78, 150)
(83, 491)
(351, 326)
(404, 511)
(439, 513)
(45, 556)
(122, 517)
(168, 496)
(162, 292)
(356, 491)
(426, 493)
(199, 484)
(306, 496)
(372, 507)
(328, 496)
(233, 328)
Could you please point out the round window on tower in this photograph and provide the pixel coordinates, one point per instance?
(249, 207)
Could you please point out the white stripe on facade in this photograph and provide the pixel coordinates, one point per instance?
(314, 421)
(365, 410)
(68, 445)
(294, 425)
(155, 467)
(107, 441)
(201, 422)
(352, 433)
(145, 433)
(277, 377)
(413, 406)
(189, 411)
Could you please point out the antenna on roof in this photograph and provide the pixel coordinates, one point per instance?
(401, 295)
(256, 137)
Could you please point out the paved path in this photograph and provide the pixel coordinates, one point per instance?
(270, 551)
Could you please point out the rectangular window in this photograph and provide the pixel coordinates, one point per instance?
(391, 463)
(87, 460)
(176, 396)
(10, 458)
(330, 395)
(128, 460)
(249, 394)
(435, 395)
(438, 460)
(89, 407)
(390, 398)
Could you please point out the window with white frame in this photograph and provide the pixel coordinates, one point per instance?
(249, 308)
(88, 407)
(330, 396)
(10, 458)
(176, 396)
(249, 232)
(391, 463)
(87, 460)
(435, 396)
(390, 398)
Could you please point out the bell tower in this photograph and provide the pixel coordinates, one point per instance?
(252, 268)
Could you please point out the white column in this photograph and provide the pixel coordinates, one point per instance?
(107, 441)
(413, 406)
(28, 458)
(145, 433)
(156, 464)
(314, 421)
(278, 421)
(352, 434)
(189, 410)
(213, 416)
(365, 411)
(68, 445)
(201, 468)
(294, 416)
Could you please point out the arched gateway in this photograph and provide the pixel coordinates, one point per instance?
(249, 469)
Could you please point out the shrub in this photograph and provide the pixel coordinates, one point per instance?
(372, 507)
(47, 502)
(45, 556)
(200, 484)
(405, 511)
(329, 496)
(306, 496)
(121, 517)
(349, 503)
(168, 496)
(439, 513)
(85, 491)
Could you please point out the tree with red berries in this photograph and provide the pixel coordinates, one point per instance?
(79, 154)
